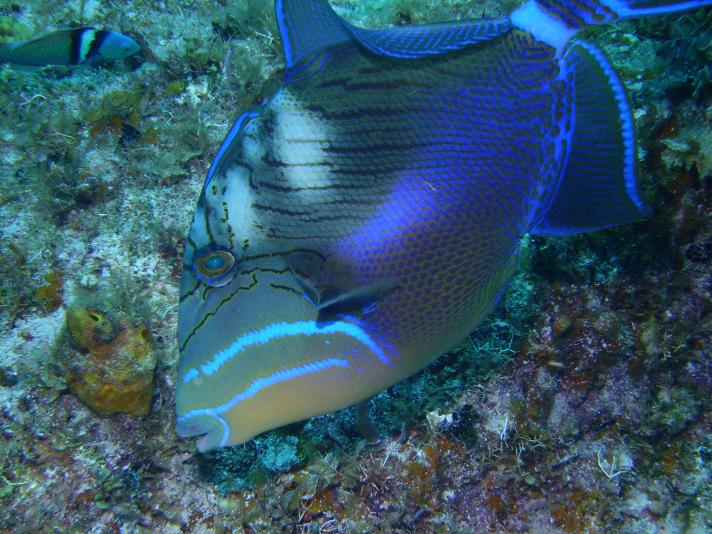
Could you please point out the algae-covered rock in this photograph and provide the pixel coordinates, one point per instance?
(49, 296)
(11, 30)
(90, 329)
(115, 373)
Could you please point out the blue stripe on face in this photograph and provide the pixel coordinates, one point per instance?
(191, 375)
(258, 385)
(280, 330)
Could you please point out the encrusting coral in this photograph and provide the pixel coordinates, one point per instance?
(113, 373)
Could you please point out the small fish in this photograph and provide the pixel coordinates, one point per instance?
(366, 218)
(69, 47)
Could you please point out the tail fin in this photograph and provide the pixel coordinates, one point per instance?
(577, 14)
(4, 51)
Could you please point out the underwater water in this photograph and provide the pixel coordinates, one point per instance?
(581, 404)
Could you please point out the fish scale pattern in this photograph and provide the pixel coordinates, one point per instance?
(422, 173)
(418, 177)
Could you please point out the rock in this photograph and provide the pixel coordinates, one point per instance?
(8, 377)
(670, 411)
(562, 325)
(562, 422)
(115, 373)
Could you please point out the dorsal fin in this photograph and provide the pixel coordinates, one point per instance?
(307, 26)
(310, 25)
(429, 40)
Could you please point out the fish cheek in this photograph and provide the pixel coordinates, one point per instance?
(254, 357)
(298, 376)
(301, 397)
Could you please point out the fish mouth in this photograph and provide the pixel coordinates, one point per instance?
(214, 430)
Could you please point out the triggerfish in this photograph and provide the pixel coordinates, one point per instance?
(69, 47)
(363, 220)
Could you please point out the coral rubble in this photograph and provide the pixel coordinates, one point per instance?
(582, 405)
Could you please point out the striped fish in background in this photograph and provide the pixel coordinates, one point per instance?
(365, 219)
(69, 47)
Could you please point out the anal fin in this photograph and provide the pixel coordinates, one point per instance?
(598, 186)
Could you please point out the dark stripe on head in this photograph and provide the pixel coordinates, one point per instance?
(273, 232)
(332, 186)
(75, 45)
(288, 289)
(285, 253)
(190, 292)
(99, 38)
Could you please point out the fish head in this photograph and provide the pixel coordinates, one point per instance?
(117, 46)
(256, 352)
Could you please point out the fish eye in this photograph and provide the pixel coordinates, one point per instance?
(214, 266)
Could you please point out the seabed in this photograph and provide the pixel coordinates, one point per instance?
(582, 405)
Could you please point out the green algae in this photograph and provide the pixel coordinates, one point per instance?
(280, 455)
(12, 30)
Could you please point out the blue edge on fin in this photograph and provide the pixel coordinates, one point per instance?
(411, 42)
(598, 186)
(237, 127)
(310, 25)
(642, 8)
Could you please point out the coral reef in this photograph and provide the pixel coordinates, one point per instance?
(582, 405)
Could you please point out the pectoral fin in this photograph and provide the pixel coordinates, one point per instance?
(331, 300)
(359, 300)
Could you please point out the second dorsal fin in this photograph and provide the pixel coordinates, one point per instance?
(598, 187)
(307, 26)
(433, 39)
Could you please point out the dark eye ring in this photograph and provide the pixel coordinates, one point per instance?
(214, 266)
